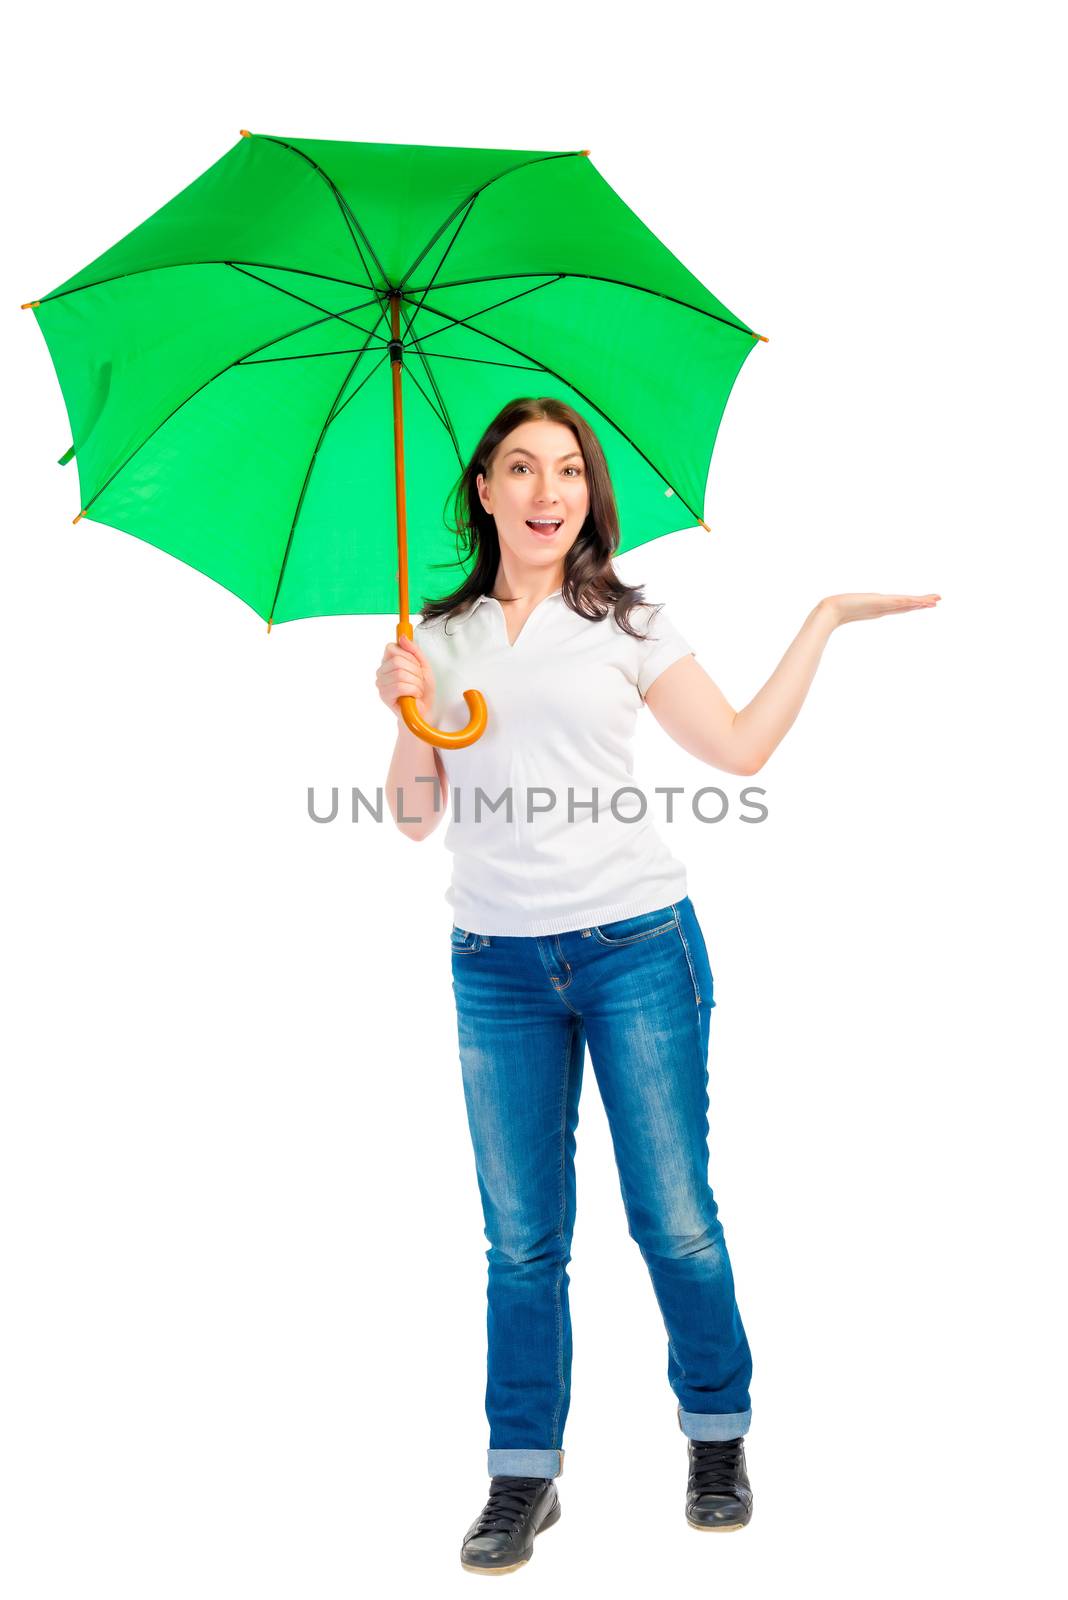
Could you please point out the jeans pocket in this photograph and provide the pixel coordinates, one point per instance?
(629, 930)
(464, 943)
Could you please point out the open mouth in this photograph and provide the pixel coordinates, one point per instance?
(545, 527)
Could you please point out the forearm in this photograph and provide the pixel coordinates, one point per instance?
(761, 725)
(419, 803)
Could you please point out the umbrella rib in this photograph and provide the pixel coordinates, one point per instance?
(349, 350)
(240, 361)
(341, 316)
(519, 166)
(439, 266)
(307, 476)
(596, 277)
(513, 366)
(170, 266)
(444, 423)
(351, 220)
(444, 418)
(460, 322)
(495, 306)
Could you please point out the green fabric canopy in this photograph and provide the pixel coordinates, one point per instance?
(226, 371)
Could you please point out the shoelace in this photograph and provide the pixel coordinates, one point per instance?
(715, 1466)
(509, 1499)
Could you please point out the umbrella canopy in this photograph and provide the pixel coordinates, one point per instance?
(231, 368)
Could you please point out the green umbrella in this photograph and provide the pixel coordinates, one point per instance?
(232, 368)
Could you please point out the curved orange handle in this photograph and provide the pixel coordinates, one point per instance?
(476, 727)
(422, 729)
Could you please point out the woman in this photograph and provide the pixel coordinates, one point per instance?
(572, 925)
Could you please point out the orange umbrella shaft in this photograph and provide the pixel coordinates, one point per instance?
(404, 625)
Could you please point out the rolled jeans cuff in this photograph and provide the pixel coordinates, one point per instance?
(714, 1424)
(525, 1463)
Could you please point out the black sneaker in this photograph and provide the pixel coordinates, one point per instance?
(718, 1494)
(502, 1537)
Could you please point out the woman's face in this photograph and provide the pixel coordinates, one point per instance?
(538, 472)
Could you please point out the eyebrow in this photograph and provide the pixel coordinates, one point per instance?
(519, 451)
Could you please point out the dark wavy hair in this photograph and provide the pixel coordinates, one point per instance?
(591, 586)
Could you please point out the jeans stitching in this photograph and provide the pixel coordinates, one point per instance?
(569, 1048)
(631, 938)
(552, 985)
(689, 958)
(637, 1240)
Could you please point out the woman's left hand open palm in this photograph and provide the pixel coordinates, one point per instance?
(859, 607)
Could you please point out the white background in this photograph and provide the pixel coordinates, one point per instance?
(242, 1250)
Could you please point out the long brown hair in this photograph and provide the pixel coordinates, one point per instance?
(591, 586)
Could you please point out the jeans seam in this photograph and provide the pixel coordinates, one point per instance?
(569, 1047)
(631, 938)
(689, 958)
(652, 1281)
(558, 991)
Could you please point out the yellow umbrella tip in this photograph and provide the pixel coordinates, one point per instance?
(29, 304)
(245, 134)
(79, 517)
(704, 525)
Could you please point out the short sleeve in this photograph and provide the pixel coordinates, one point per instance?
(428, 636)
(664, 646)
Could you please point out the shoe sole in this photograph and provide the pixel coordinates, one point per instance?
(717, 1527)
(469, 1566)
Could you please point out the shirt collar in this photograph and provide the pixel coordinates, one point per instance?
(456, 622)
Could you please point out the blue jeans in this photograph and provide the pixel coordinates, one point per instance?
(640, 992)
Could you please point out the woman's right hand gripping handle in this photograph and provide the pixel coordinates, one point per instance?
(405, 670)
(416, 781)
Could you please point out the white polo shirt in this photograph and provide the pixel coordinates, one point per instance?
(562, 706)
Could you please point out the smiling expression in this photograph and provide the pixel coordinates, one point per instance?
(537, 473)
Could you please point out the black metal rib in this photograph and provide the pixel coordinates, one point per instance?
(445, 423)
(215, 375)
(311, 355)
(495, 306)
(441, 263)
(314, 456)
(414, 343)
(596, 277)
(171, 266)
(362, 384)
(555, 155)
(302, 300)
(513, 366)
(351, 220)
(350, 350)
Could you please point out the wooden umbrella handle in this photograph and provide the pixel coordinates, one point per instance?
(445, 740)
